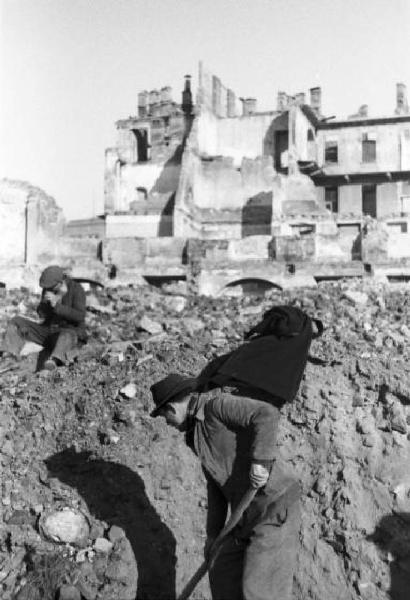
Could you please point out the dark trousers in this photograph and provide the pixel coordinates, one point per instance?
(57, 342)
(259, 565)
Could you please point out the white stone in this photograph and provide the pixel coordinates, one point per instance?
(103, 545)
(129, 390)
(66, 525)
(150, 326)
(356, 297)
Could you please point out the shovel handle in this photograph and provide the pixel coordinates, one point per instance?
(216, 546)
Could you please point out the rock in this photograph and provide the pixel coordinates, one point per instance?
(119, 571)
(175, 303)
(129, 391)
(404, 330)
(69, 592)
(116, 533)
(103, 545)
(356, 298)
(193, 325)
(150, 326)
(67, 525)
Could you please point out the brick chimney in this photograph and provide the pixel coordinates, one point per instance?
(316, 99)
(143, 104)
(230, 104)
(248, 106)
(300, 98)
(363, 111)
(166, 94)
(282, 101)
(402, 105)
(187, 104)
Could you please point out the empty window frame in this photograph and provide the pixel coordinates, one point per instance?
(368, 149)
(331, 153)
(332, 199)
(310, 135)
(369, 195)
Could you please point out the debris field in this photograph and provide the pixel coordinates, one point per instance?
(101, 502)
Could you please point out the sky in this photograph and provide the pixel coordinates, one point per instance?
(71, 68)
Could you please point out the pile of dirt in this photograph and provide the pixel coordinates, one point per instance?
(81, 438)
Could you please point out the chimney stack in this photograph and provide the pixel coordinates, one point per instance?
(402, 105)
(230, 104)
(363, 111)
(154, 106)
(142, 104)
(248, 106)
(166, 94)
(282, 101)
(316, 99)
(187, 105)
(300, 98)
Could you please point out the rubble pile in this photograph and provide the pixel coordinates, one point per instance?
(101, 502)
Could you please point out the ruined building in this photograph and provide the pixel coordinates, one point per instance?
(223, 193)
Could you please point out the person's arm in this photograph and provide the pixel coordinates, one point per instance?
(262, 420)
(44, 308)
(76, 312)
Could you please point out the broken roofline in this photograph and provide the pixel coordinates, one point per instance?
(323, 124)
(358, 178)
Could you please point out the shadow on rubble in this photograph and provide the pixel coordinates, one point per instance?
(392, 535)
(117, 495)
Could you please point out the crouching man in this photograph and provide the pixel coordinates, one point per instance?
(232, 430)
(62, 308)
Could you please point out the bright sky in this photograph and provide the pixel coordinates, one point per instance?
(71, 68)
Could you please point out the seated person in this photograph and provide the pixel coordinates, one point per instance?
(62, 308)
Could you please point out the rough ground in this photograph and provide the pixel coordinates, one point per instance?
(73, 438)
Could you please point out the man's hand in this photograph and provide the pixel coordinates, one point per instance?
(51, 298)
(258, 475)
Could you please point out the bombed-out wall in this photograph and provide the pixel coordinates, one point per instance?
(32, 224)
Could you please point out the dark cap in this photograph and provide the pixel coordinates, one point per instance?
(51, 276)
(166, 389)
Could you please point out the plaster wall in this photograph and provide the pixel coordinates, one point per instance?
(236, 137)
(145, 253)
(350, 200)
(32, 224)
(399, 245)
(13, 220)
(392, 148)
(387, 200)
(125, 226)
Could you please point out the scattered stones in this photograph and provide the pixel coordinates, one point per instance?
(82, 438)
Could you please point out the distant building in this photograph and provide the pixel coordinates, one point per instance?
(232, 192)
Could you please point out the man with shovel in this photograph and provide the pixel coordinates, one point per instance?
(232, 429)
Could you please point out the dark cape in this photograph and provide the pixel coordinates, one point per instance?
(273, 360)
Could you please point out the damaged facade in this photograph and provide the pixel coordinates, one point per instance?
(34, 234)
(224, 193)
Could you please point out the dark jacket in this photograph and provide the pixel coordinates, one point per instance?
(69, 313)
(273, 363)
(229, 432)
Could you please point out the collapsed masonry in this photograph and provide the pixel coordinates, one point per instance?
(286, 196)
